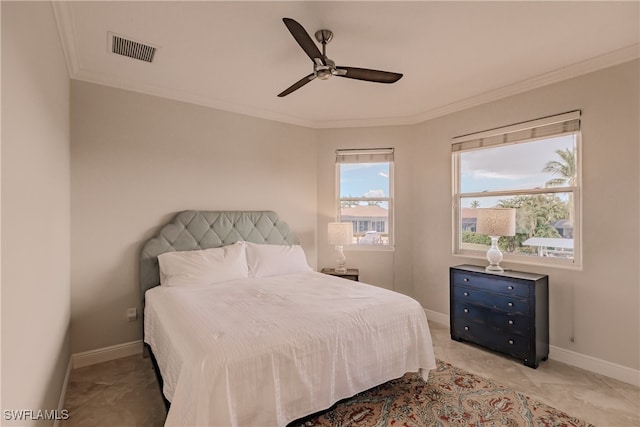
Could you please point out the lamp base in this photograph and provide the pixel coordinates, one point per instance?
(494, 256)
(494, 268)
(341, 260)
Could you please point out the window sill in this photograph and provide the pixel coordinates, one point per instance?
(369, 248)
(547, 263)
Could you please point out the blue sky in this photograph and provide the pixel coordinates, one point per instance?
(364, 180)
(511, 167)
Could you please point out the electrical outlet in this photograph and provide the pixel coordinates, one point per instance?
(132, 314)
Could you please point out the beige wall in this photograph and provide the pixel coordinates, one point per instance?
(391, 269)
(156, 157)
(599, 304)
(136, 160)
(35, 208)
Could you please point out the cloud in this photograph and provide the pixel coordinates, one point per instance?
(374, 193)
(480, 174)
(517, 161)
(383, 174)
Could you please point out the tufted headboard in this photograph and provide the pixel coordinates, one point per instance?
(190, 230)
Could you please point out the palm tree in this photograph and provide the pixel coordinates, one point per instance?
(348, 203)
(535, 214)
(565, 170)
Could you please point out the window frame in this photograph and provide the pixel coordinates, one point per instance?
(373, 152)
(576, 190)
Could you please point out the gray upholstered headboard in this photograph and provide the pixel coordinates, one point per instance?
(190, 230)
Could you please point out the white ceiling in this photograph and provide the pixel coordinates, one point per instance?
(237, 56)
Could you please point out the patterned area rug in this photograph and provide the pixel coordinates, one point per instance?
(451, 397)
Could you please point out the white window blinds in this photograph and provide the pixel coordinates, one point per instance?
(535, 129)
(365, 156)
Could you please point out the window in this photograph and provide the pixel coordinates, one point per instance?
(365, 195)
(533, 167)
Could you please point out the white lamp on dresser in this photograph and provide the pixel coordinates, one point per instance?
(496, 222)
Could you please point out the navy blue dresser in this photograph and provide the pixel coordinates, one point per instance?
(505, 312)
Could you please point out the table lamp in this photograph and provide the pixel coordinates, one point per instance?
(340, 234)
(496, 222)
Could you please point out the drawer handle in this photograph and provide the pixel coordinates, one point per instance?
(466, 279)
(466, 294)
(511, 342)
(466, 310)
(511, 322)
(510, 288)
(466, 328)
(510, 304)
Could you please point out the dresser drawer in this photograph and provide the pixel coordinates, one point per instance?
(510, 344)
(504, 286)
(504, 322)
(508, 304)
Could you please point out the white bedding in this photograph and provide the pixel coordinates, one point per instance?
(267, 351)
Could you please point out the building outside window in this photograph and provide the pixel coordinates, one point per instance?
(533, 167)
(365, 195)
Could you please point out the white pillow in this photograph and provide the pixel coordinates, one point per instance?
(274, 260)
(203, 267)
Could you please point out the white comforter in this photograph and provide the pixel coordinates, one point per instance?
(264, 352)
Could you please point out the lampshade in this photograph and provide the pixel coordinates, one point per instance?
(340, 233)
(496, 222)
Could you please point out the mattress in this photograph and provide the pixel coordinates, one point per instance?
(267, 351)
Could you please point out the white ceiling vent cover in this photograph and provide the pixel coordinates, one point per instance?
(131, 48)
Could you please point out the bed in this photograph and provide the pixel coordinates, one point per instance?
(268, 341)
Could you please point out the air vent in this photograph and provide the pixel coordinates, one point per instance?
(132, 49)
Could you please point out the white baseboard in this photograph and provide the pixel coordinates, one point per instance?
(63, 392)
(105, 354)
(592, 364)
(598, 366)
(434, 316)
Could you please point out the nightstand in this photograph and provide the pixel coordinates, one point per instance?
(505, 312)
(351, 274)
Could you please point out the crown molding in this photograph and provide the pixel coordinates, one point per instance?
(182, 96)
(65, 19)
(591, 65)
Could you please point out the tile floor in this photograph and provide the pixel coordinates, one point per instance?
(594, 398)
(125, 392)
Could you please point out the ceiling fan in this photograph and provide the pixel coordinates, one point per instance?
(323, 67)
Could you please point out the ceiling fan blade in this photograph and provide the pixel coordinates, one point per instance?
(368, 75)
(297, 85)
(304, 40)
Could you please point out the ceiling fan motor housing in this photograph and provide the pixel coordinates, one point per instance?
(323, 72)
